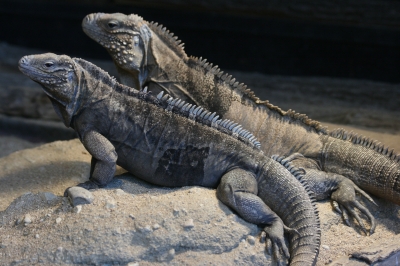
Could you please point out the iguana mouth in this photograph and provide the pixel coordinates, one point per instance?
(98, 36)
(104, 39)
(39, 75)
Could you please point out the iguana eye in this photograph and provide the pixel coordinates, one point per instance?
(48, 64)
(112, 24)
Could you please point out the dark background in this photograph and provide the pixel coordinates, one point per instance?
(346, 39)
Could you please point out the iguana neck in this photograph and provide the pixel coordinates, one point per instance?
(166, 71)
(132, 79)
(94, 85)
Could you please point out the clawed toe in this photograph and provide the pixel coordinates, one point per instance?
(345, 202)
(275, 241)
(66, 192)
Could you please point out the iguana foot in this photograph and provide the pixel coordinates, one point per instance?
(341, 189)
(346, 203)
(273, 235)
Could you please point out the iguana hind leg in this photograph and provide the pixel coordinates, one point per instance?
(340, 189)
(238, 189)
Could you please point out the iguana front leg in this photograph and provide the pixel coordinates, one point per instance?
(104, 158)
(339, 188)
(238, 190)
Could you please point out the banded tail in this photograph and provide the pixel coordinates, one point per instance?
(295, 205)
(369, 164)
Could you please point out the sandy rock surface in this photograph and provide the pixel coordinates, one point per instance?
(131, 221)
(166, 226)
(10, 144)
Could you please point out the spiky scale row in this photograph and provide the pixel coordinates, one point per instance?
(197, 113)
(175, 44)
(225, 77)
(99, 71)
(355, 138)
(299, 174)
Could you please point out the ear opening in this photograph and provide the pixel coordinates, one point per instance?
(73, 106)
(145, 35)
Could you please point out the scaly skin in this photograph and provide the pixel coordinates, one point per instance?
(165, 142)
(146, 54)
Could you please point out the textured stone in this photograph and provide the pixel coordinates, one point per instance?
(92, 238)
(79, 196)
(52, 167)
(48, 196)
(28, 218)
(380, 252)
(78, 209)
(346, 261)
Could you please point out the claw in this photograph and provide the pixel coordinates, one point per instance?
(360, 222)
(275, 250)
(283, 249)
(276, 240)
(345, 215)
(336, 206)
(66, 192)
(292, 157)
(362, 192)
(344, 198)
(367, 213)
(263, 237)
(268, 245)
(290, 230)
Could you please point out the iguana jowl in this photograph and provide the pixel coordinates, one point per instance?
(171, 143)
(146, 54)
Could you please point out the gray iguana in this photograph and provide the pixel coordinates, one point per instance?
(147, 54)
(168, 142)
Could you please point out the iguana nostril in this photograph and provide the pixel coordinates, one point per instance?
(23, 60)
(89, 18)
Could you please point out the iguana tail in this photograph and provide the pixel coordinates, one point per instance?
(294, 204)
(370, 165)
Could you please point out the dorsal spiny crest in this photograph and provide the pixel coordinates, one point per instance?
(134, 21)
(234, 85)
(357, 139)
(168, 37)
(200, 115)
(135, 17)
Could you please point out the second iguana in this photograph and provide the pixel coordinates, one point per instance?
(147, 54)
(168, 142)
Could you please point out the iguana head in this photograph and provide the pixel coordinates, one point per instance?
(124, 36)
(57, 75)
